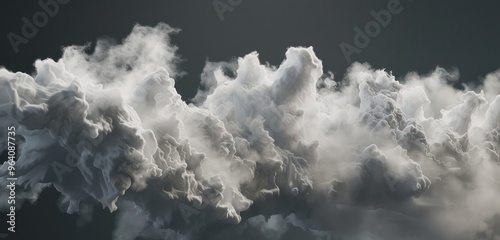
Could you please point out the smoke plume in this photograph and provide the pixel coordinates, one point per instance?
(261, 152)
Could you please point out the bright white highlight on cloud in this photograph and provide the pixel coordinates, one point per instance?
(269, 152)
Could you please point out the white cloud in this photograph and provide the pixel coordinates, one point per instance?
(381, 157)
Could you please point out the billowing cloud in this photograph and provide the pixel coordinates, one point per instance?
(262, 152)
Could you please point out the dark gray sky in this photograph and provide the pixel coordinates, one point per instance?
(426, 34)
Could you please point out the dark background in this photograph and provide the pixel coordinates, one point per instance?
(427, 33)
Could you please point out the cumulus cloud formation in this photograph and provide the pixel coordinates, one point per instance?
(262, 152)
